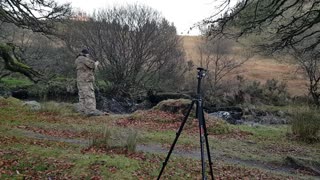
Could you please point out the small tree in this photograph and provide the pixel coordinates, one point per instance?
(309, 62)
(216, 55)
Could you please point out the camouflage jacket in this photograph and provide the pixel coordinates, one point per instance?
(85, 69)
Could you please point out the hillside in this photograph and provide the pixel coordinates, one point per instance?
(258, 68)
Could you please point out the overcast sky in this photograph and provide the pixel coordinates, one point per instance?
(183, 13)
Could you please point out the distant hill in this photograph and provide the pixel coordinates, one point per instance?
(257, 68)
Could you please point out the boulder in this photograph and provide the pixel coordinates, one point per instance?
(156, 98)
(232, 115)
(174, 105)
(33, 105)
(271, 119)
(113, 105)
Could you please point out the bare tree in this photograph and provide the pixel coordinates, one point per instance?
(283, 22)
(216, 55)
(36, 15)
(283, 26)
(310, 64)
(138, 48)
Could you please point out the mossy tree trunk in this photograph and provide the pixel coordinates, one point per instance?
(12, 63)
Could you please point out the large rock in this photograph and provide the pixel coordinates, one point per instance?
(114, 105)
(232, 115)
(33, 105)
(174, 105)
(271, 119)
(156, 98)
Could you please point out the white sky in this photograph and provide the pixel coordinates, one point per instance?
(183, 13)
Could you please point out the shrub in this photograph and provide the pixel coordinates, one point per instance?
(219, 127)
(111, 139)
(103, 87)
(103, 141)
(305, 125)
(59, 89)
(131, 142)
(273, 92)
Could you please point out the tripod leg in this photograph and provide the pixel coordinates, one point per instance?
(207, 144)
(176, 139)
(202, 137)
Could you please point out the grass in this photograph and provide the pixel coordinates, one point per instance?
(257, 68)
(306, 125)
(16, 82)
(264, 132)
(53, 107)
(43, 158)
(167, 137)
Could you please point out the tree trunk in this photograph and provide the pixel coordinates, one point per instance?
(313, 90)
(12, 63)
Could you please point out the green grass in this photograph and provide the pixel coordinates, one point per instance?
(267, 144)
(167, 137)
(265, 132)
(15, 82)
(306, 125)
(124, 166)
(62, 109)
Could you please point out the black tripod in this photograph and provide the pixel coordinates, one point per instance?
(202, 129)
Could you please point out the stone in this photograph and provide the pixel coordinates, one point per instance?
(176, 106)
(270, 119)
(33, 105)
(281, 114)
(97, 113)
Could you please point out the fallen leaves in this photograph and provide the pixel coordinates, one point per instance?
(56, 132)
(156, 120)
(30, 166)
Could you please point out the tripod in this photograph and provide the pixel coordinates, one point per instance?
(202, 129)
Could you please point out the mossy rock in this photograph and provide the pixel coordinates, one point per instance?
(14, 101)
(219, 127)
(175, 106)
(156, 98)
(11, 101)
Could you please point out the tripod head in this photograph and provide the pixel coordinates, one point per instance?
(201, 72)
